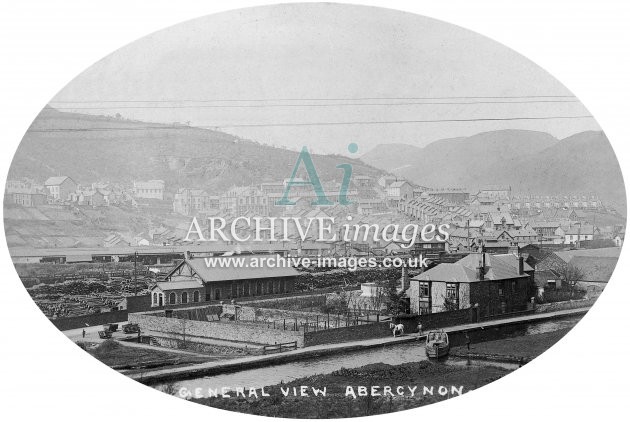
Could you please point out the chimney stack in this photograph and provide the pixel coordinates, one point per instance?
(521, 266)
(482, 265)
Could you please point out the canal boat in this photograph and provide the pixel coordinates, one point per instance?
(437, 344)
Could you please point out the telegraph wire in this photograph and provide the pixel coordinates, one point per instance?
(374, 122)
(308, 105)
(377, 122)
(311, 99)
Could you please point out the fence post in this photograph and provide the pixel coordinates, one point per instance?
(316, 322)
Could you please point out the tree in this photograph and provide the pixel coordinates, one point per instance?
(570, 275)
(339, 304)
(395, 302)
(378, 298)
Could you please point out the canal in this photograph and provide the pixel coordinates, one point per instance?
(390, 354)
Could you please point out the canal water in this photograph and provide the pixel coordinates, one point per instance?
(390, 354)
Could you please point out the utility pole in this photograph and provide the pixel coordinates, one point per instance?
(468, 234)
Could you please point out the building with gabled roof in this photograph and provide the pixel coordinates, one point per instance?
(595, 265)
(400, 190)
(151, 189)
(494, 284)
(193, 280)
(60, 187)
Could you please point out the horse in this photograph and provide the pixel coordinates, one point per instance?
(397, 329)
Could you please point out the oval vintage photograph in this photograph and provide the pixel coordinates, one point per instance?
(314, 211)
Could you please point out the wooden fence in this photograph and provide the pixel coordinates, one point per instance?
(279, 347)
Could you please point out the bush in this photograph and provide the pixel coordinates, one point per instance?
(562, 295)
(107, 347)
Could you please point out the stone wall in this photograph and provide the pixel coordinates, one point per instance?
(250, 313)
(206, 313)
(194, 346)
(230, 331)
(172, 331)
(560, 306)
(344, 334)
(290, 303)
(438, 295)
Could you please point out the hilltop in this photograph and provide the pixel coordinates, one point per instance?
(90, 148)
(528, 161)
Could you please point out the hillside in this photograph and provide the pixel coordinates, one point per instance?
(90, 148)
(430, 161)
(528, 161)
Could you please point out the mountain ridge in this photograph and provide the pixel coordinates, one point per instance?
(90, 148)
(528, 161)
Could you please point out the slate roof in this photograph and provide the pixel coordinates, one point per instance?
(232, 272)
(541, 277)
(498, 216)
(498, 267)
(55, 180)
(546, 224)
(177, 285)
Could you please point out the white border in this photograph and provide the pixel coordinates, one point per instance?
(46, 43)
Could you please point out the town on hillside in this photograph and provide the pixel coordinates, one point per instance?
(109, 265)
(87, 250)
(328, 212)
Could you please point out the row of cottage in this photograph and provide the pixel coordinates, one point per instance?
(369, 197)
(62, 189)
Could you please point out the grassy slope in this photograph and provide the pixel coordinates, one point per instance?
(337, 405)
(104, 148)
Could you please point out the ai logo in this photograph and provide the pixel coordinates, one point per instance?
(313, 180)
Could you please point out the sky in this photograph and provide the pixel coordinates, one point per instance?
(299, 64)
